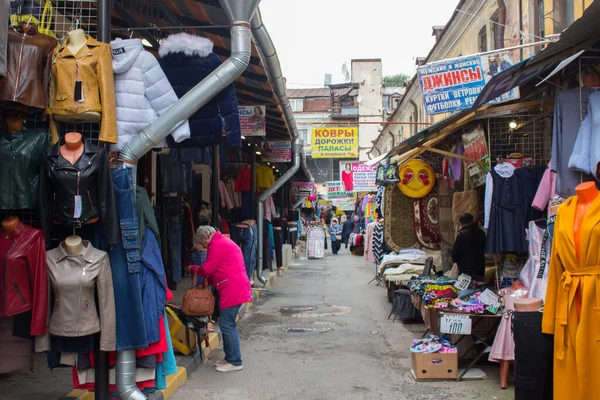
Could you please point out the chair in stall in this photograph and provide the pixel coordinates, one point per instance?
(402, 307)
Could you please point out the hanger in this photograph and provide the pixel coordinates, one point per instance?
(130, 33)
(25, 27)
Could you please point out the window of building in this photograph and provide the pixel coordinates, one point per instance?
(303, 134)
(483, 39)
(569, 13)
(497, 41)
(297, 105)
(540, 25)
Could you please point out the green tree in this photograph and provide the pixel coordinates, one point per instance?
(397, 80)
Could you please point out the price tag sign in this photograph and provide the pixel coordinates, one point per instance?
(489, 298)
(463, 282)
(455, 324)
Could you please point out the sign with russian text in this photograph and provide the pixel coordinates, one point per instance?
(302, 188)
(315, 243)
(358, 177)
(276, 151)
(339, 197)
(476, 148)
(455, 324)
(455, 84)
(253, 120)
(334, 142)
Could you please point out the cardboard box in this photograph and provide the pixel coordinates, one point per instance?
(435, 366)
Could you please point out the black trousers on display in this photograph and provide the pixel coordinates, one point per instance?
(278, 247)
(534, 353)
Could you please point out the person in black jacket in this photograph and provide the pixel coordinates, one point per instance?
(347, 228)
(469, 247)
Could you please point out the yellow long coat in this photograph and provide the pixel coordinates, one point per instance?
(576, 340)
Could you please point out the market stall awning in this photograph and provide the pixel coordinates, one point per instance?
(155, 19)
(583, 34)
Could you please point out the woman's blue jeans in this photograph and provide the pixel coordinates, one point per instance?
(231, 339)
(125, 263)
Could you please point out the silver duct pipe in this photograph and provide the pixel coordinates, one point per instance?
(296, 150)
(273, 68)
(240, 13)
(125, 377)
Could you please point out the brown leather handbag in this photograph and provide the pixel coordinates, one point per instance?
(198, 302)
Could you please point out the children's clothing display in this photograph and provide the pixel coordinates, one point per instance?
(503, 348)
(504, 215)
(369, 207)
(143, 92)
(534, 275)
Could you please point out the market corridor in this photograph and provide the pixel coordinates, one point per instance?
(348, 351)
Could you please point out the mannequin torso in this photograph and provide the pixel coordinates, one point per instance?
(73, 147)
(77, 40)
(10, 223)
(586, 194)
(74, 245)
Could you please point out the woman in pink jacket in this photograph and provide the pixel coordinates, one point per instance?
(225, 269)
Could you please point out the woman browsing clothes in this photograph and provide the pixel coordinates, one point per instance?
(335, 230)
(225, 269)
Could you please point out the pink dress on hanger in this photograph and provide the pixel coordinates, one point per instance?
(503, 348)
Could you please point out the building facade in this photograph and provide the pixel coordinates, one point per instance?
(478, 26)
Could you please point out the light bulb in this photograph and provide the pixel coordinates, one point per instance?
(512, 124)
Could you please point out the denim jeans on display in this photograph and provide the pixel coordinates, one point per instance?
(153, 285)
(246, 237)
(125, 266)
(174, 236)
(231, 339)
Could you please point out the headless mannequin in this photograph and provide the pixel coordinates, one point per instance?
(74, 245)
(73, 147)
(10, 223)
(586, 194)
(76, 41)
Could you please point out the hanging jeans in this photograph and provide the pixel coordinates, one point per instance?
(174, 237)
(125, 263)
(231, 339)
(533, 358)
(267, 259)
(245, 236)
(278, 247)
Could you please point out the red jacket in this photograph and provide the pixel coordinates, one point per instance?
(23, 276)
(225, 269)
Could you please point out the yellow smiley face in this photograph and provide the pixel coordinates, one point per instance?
(416, 179)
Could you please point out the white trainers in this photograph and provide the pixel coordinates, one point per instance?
(229, 368)
(218, 363)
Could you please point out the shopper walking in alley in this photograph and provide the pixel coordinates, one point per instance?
(225, 269)
(347, 228)
(335, 231)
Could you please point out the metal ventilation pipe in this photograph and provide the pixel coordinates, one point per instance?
(240, 13)
(296, 149)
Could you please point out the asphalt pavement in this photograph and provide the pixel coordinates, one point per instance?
(322, 333)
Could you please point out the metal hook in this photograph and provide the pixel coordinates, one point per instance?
(130, 33)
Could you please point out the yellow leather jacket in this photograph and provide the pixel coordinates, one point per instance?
(92, 65)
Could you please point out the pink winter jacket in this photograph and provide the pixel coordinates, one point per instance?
(224, 267)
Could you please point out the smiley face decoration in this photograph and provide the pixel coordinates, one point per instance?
(417, 179)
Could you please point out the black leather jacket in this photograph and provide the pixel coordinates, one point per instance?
(90, 178)
(21, 154)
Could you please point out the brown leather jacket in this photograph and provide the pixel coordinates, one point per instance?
(92, 65)
(74, 280)
(28, 68)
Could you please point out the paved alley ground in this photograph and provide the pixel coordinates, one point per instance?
(321, 333)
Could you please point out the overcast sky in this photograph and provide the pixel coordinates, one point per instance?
(315, 37)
